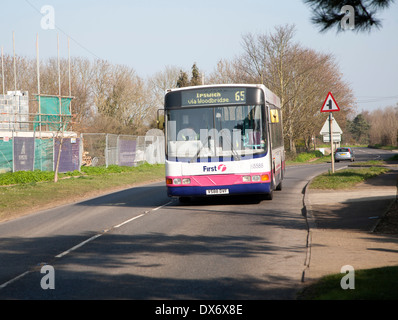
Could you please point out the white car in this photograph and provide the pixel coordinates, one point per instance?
(344, 154)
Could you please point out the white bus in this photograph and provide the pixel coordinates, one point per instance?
(223, 140)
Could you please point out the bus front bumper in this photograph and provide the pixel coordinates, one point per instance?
(202, 191)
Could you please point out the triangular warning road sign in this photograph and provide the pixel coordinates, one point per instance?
(330, 105)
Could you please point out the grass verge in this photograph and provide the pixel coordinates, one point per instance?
(37, 191)
(370, 284)
(345, 178)
(307, 157)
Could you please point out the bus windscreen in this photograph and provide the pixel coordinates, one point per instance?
(228, 132)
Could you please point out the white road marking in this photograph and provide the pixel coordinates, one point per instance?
(107, 230)
(5, 284)
(160, 207)
(129, 220)
(78, 246)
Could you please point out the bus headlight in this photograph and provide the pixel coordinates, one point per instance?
(256, 178)
(246, 178)
(176, 181)
(186, 181)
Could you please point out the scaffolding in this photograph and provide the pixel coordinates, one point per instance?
(15, 115)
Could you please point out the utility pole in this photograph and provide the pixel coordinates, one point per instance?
(15, 64)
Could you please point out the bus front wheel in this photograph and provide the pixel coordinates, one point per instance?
(270, 195)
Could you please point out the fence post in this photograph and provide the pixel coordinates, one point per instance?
(106, 150)
(80, 152)
(117, 149)
(13, 157)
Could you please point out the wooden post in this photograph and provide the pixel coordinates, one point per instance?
(15, 65)
(38, 80)
(2, 69)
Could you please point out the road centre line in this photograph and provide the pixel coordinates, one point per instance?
(5, 284)
(166, 204)
(107, 230)
(78, 246)
(127, 221)
(97, 236)
(71, 249)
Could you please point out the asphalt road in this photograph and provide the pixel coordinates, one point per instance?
(140, 244)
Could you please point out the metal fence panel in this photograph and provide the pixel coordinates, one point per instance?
(126, 150)
(106, 149)
(70, 154)
(24, 153)
(6, 156)
(111, 149)
(44, 154)
(92, 149)
(94, 146)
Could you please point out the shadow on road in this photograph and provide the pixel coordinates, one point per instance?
(136, 261)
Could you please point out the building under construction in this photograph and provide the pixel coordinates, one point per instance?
(37, 138)
(31, 140)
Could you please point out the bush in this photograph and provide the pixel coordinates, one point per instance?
(23, 177)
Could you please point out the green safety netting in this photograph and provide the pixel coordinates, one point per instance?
(44, 154)
(50, 112)
(6, 156)
(43, 158)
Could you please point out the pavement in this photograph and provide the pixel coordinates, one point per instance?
(342, 227)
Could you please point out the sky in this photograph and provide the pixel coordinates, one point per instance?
(152, 34)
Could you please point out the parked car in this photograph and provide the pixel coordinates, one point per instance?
(344, 154)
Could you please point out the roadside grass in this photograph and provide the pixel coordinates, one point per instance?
(379, 146)
(345, 178)
(316, 157)
(308, 157)
(368, 163)
(370, 284)
(26, 177)
(393, 158)
(31, 191)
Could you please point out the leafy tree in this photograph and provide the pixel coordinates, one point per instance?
(327, 13)
(183, 80)
(359, 128)
(195, 80)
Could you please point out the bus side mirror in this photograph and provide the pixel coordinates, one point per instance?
(160, 120)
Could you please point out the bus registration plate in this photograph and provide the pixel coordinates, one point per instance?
(217, 191)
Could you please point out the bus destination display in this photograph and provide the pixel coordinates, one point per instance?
(213, 96)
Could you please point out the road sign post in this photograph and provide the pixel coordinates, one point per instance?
(330, 105)
(331, 139)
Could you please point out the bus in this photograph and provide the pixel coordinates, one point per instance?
(223, 140)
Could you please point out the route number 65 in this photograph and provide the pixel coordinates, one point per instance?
(240, 95)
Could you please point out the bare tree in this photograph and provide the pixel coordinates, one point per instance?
(383, 126)
(161, 81)
(301, 77)
(225, 72)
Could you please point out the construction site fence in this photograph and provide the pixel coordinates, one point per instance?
(102, 149)
(87, 149)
